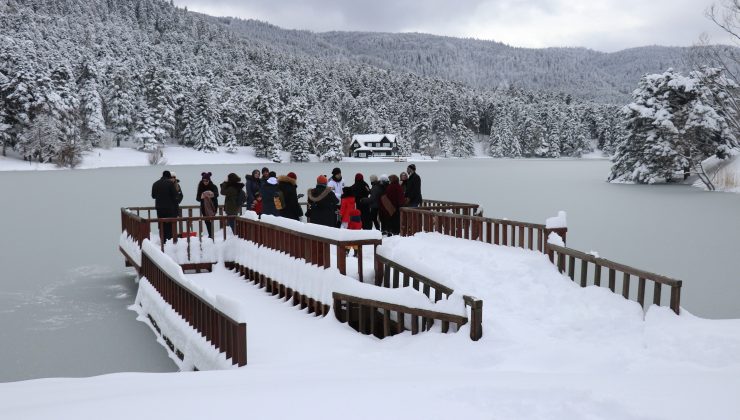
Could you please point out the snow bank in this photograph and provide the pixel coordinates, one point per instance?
(555, 239)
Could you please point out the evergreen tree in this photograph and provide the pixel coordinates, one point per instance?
(264, 129)
(462, 141)
(91, 106)
(202, 130)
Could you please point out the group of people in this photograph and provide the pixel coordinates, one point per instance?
(331, 202)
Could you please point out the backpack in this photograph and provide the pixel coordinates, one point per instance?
(242, 200)
(279, 200)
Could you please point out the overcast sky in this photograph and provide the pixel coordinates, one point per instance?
(605, 25)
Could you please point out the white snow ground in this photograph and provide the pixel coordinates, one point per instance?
(550, 350)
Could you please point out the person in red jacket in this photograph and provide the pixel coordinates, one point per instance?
(346, 206)
(390, 205)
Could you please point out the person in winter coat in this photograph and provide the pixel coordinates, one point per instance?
(269, 192)
(164, 194)
(336, 182)
(346, 205)
(322, 203)
(403, 177)
(231, 190)
(287, 186)
(361, 191)
(180, 195)
(390, 205)
(208, 202)
(413, 187)
(373, 200)
(252, 186)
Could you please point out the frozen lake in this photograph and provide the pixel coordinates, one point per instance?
(65, 291)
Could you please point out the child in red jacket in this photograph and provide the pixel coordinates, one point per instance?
(257, 203)
(346, 206)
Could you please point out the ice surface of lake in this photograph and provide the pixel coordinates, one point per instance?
(65, 291)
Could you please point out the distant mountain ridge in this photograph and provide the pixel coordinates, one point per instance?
(585, 73)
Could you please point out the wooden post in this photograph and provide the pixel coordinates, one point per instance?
(676, 298)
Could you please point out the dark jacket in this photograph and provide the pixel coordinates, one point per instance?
(413, 190)
(211, 187)
(323, 206)
(291, 209)
(164, 194)
(230, 190)
(268, 192)
(252, 186)
(373, 200)
(361, 190)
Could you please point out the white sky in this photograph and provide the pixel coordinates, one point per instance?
(605, 25)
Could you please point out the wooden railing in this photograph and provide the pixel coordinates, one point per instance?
(313, 249)
(226, 334)
(374, 317)
(276, 288)
(576, 264)
(493, 231)
(467, 209)
(136, 226)
(395, 275)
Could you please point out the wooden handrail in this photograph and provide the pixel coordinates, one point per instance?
(558, 256)
(414, 279)
(227, 335)
(368, 309)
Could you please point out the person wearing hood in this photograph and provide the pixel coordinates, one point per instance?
(346, 205)
(231, 189)
(361, 191)
(207, 196)
(287, 186)
(269, 191)
(252, 186)
(322, 203)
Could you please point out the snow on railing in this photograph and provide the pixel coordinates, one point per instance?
(216, 317)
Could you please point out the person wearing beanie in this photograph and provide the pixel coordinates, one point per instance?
(336, 182)
(164, 194)
(413, 187)
(287, 187)
(265, 174)
(322, 204)
(361, 191)
(207, 196)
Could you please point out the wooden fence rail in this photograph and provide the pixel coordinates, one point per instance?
(226, 334)
(576, 264)
(395, 275)
(313, 249)
(467, 209)
(374, 317)
(493, 231)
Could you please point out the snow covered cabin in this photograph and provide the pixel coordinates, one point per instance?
(373, 145)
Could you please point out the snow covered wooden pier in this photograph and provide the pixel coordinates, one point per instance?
(388, 287)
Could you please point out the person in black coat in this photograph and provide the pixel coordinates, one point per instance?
(287, 186)
(322, 204)
(413, 187)
(204, 185)
(269, 190)
(360, 190)
(252, 186)
(373, 201)
(164, 194)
